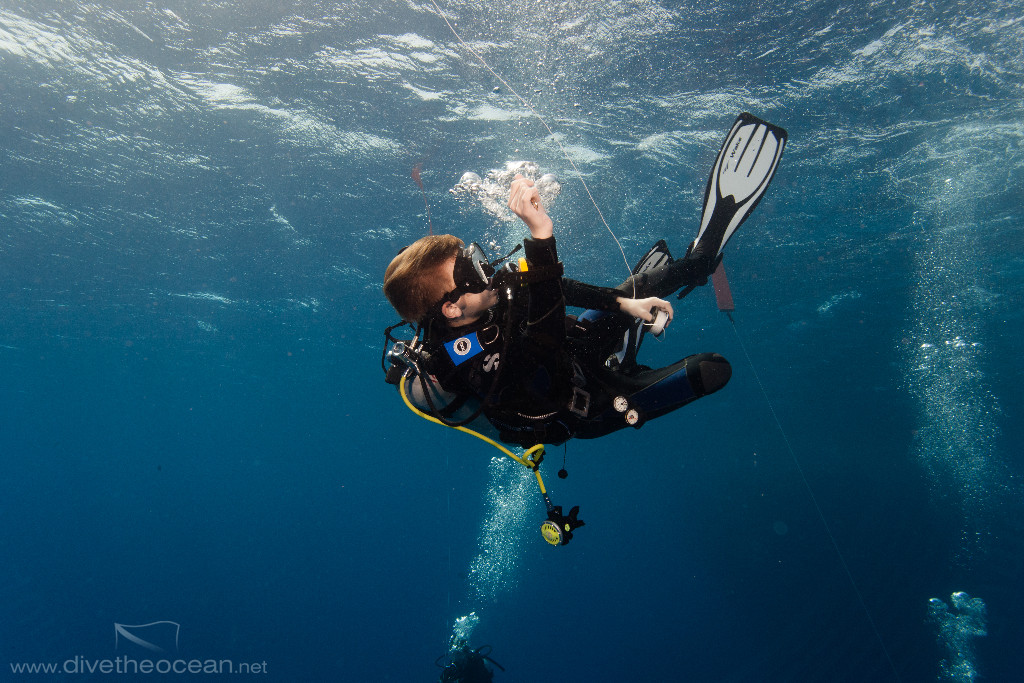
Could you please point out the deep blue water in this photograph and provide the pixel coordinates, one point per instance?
(197, 202)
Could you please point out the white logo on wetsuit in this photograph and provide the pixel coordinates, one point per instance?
(462, 346)
(491, 361)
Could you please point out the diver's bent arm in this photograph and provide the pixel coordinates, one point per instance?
(582, 295)
(597, 298)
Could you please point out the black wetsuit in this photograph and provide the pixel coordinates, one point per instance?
(516, 361)
(540, 376)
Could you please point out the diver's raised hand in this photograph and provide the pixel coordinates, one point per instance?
(524, 200)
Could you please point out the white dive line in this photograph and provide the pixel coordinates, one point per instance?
(547, 127)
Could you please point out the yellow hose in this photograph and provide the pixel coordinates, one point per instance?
(527, 459)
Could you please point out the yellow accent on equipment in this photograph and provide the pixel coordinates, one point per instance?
(531, 458)
(551, 533)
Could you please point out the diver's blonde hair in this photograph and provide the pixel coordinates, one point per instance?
(414, 280)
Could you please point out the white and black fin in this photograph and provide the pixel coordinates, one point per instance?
(625, 354)
(656, 256)
(745, 165)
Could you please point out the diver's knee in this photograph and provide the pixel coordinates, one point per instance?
(632, 285)
(707, 372)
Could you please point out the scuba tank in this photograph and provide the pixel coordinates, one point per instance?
(410, 359)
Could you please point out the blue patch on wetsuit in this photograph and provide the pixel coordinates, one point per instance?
(463, 348)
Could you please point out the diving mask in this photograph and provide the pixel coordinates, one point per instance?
(473, 272)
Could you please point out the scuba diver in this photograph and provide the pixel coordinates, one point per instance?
(463, 665)
(493, 346)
